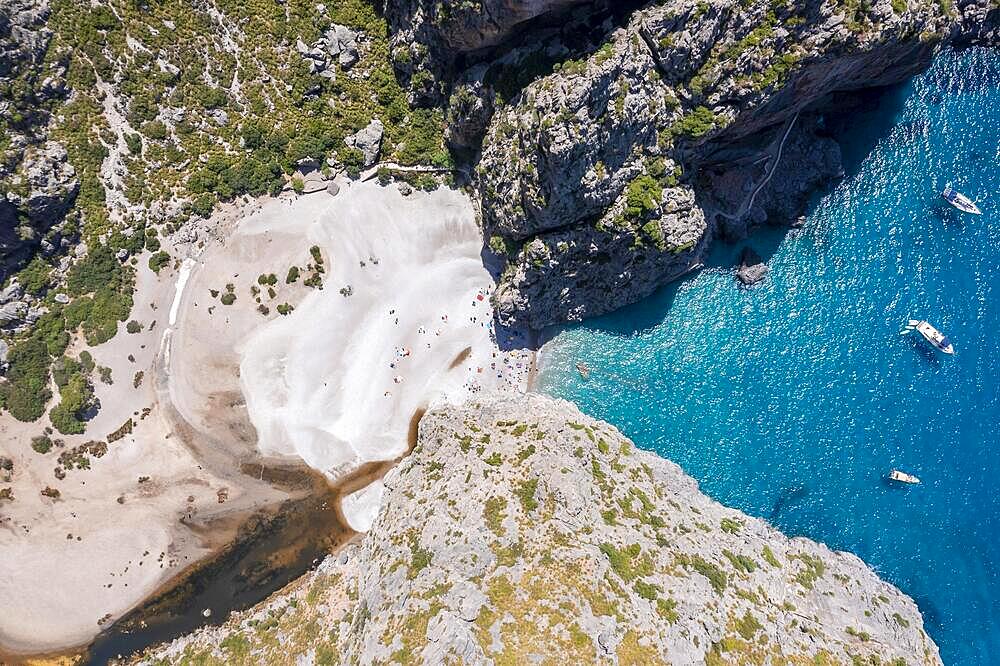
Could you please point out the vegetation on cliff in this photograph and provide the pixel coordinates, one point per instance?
(521, 531)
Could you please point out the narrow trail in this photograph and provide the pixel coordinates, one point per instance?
(748, 204)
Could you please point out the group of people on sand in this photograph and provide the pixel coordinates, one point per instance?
(508, 370)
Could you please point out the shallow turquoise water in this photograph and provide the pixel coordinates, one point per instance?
(792, 400)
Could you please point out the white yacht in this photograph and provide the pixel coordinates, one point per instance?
(903, 477)
(937, 339)
(960, 201)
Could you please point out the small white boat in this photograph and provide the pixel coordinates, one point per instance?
(583, 369)
(960, 201)
(937, 339)
(903, 477)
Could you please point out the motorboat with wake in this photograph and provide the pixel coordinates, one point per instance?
(937, 339)
(960, 201)
(903, 477)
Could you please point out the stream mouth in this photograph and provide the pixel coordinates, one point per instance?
(272, 547)
(265, 550)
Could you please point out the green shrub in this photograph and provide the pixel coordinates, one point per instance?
(63, 369)
(642, 196)
(627, 562)
(526, 494)
(134, 143)
(696, 124)
(41, 444)
(98, 269)
(25, 391)
(770, 558)
(747, 626)
(228, 298)
(152, 242)
(647, 591)
(731, 525)
(75, 398)
(133, 326)
(155, 130)
(716, 577)
(86, 362)
(293, 275)
(740, 562)
(158, 260)
(35, 276)
(109, 307)
(813, 568)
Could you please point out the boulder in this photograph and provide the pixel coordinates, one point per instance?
(368, 140)
(752, 268)
(342, 44)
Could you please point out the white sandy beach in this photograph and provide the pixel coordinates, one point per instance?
(108, 540)
(338, 381)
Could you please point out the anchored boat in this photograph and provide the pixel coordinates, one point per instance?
(960, 201)
(903, 477)
(937, 339)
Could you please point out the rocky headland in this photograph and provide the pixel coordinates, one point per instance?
(612, 173)
(521, 530)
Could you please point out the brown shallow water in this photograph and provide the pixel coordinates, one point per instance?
(271, 548)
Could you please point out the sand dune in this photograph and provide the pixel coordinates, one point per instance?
(337, 381)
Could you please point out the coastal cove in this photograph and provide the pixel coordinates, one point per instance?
(793, 399)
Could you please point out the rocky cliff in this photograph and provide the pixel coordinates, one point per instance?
(696, 119)
(429, 36)
(37, 184)
(522, 531)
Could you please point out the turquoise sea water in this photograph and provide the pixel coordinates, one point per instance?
(793, 399)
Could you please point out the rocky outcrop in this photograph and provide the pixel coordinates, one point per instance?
(337, 46)
(368, 140)
(522, 531)
(695, 120)
(37, 184)
(752, 267)
(430, 35)
(49, 184)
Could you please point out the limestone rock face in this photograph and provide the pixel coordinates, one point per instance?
(429, 35)
(720, 100)
(37, 184)
(51, 184)
(521, 531)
